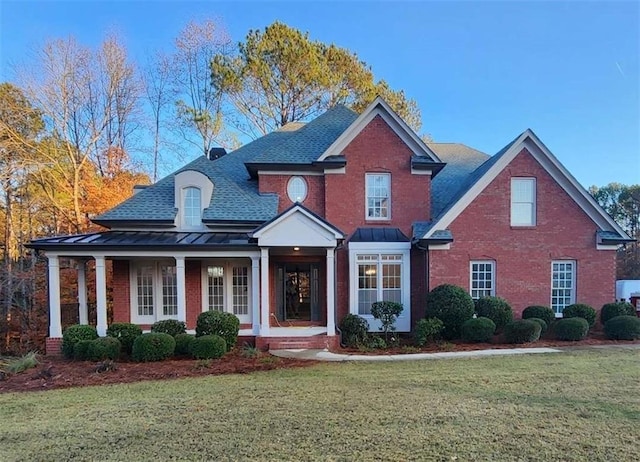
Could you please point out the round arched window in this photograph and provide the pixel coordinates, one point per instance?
(297, 189)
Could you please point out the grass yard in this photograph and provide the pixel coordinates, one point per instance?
(583, 405)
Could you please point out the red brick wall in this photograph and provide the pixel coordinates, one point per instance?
(193, 283)
(523, 255)
(377, 149)
(278, 184)
(121, 291)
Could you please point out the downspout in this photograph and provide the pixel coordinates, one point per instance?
(335, 292)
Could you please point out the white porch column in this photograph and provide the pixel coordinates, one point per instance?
(83, 309)
(181, 291)
(101, 296)
(255, 295)
(331, 303)
(264, 292)
(55, 323)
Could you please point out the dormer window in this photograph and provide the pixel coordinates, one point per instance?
(297, 189)
(192, 207)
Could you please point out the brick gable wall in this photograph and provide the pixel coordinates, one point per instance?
(278, 184)
(523, 255)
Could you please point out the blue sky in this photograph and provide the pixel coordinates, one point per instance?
(481, 72)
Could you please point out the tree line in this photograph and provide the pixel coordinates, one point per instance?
(80, 126)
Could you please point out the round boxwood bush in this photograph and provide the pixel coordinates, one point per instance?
(172, 327)
(623, 328)
(226, 325)
(580, 310)
(154, 346)
(477, 330)
(452, 305)
(103, 348)
(522, 331)
(208, 347)
(428, 330)
(572, 329)
(80, 350)
(538, 311)
(182, 344)
(126, 333)
(73, 334)
(354, 330)
(611, 310)
(496, 309)
(543, 325)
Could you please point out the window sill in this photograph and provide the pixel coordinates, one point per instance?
(379, 221)
(523, 227)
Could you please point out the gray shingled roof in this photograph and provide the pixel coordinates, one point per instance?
(311, 140)
(235, 197)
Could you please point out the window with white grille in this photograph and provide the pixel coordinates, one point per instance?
(169, 291)
(215, 288)
(154, 292)
(192, 207)
(563, 285)
(379, 279)
(482, 279)
(240, 287)
(144, 282)
(378, 195)
(227, 288)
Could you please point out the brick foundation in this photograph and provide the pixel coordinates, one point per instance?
(53, 346)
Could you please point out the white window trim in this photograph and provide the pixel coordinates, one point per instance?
(493, 276)
(191, 179)
(227, 284)
(366, 197)
(306, 188)
(381, 248)
(157, 291)
(534, 207)
(572, 298)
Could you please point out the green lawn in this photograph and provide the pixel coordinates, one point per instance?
(583, 405)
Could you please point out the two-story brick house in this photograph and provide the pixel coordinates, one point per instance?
(300, 227)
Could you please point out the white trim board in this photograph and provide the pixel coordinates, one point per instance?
(395, 122)
(554, 168)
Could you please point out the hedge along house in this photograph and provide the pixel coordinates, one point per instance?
(300, 227)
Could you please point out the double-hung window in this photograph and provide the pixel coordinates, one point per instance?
(154, 294)
(523, 201)
(378, 195)
(563, 285)
(483, 279)
(227, 288)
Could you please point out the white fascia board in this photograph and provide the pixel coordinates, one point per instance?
(421, 172)
(439, 246)
(200, 254)
(477, 188)
(292, 211)
(379, 246)
(399, 126)
(289, 172)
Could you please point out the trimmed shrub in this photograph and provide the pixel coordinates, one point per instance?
(182, 344)
(103, 348)
(80, 350)
(73, 334)
(208, 347)
(452, 305)
(477, 330)
(543, 325)
(172, 327)
(154, 346)
(611, 310)
(375, 342)
(386, 313)
(623, 328)
(580, 310)
(572, 329)
(226, 325)
(354, 330)
(126, 333)
(538, 311)
(496, 309)
(428, 330)
(522, 331)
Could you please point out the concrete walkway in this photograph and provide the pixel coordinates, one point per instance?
(325, 355)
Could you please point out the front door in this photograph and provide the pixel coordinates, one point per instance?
(297, 292)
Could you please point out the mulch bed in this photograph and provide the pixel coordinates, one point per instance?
(55, 373)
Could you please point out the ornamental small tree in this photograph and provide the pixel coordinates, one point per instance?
(386, 313)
